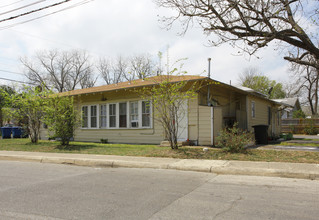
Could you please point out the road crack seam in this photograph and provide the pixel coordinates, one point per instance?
(232, 205)
(206, 181)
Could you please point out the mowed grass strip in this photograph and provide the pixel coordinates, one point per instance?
(156, 151)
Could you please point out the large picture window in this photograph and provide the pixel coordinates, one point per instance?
(93, 116)
(85, 117)
(134, 114)
(103, 116)
(146, 114)
(122, 115)
(112, 115)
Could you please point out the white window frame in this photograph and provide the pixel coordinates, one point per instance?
(117, 115)
(96, 116)
(89, 116)
(138, 115)
(106, 115)
(253, 109)
(150, 126)
(127, 125)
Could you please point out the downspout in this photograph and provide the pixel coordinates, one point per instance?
(247, 113)
(210, 104)
(208, 87)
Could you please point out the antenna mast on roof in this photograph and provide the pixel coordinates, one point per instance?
(208, 87)
(209, 59)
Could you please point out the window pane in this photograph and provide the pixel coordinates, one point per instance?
(84, 117)
(146, 119)
(122, 118)
(112, 114)
(134, 114)
(253, 110)
(93, 116)
(103, 116)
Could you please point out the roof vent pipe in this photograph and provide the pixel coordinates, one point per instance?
(209, 59)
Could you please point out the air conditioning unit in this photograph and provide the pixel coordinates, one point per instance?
(134, 124)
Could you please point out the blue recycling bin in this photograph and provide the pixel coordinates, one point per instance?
(6, 132)
(16, 132)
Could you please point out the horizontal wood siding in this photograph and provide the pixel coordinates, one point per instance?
(261, 115)
(131, 136)
(193, 119)
(218, 122)
(204, 125)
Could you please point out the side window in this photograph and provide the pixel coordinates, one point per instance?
(253, 110)
(146, 114)
(112, 115)
(103, 116)
(134, 114)
(93, 116)
(122, 115)
(85, 118)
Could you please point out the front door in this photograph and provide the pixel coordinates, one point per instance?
(183, 122)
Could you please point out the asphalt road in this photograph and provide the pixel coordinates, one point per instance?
(50, 191)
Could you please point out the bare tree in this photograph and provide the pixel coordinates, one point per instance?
(256, 23)
(126, 69)
(121, 69)
(142, 66)
(307, 83)
(111, 72)
(61, 71)
(248, 74)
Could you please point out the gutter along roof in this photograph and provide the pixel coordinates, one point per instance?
(132, 84)
(156, 80)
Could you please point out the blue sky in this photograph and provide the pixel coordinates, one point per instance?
(122, 27)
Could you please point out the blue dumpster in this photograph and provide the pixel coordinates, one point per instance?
(16, 132)
(6, 132)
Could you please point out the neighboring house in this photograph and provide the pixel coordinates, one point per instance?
(117, 113)
(289, 106)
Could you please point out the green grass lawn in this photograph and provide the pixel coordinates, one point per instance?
(156, 151)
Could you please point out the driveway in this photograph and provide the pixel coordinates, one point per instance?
(294, 144)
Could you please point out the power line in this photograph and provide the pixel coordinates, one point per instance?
(12, 80)
(25, 6)
(7, 71)
(3, 6)
(33, 11)
(64, 9)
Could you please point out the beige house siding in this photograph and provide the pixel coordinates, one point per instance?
(204, 125)
(218, 122)
(261, 115)
(193, 119)
(233, 105)
(152, 135)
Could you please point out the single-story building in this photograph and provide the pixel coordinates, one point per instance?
(117, 113)
(289, 106)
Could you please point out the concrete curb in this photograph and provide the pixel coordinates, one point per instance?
(272, 169)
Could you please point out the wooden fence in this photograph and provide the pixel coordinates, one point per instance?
(297, 126)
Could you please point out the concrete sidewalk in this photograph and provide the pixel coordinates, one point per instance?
(292, 170)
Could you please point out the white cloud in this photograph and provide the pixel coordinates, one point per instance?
(121, 27)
